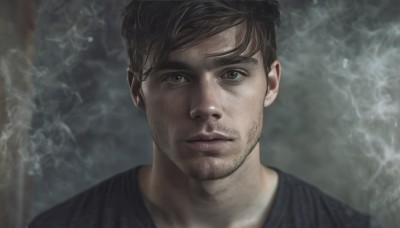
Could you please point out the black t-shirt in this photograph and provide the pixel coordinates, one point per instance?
(117, 203)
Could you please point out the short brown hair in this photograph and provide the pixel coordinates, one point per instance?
(165, 26)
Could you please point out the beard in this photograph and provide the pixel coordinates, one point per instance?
(211, 167)
(208, 169)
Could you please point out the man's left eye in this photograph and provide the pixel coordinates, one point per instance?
(233, 75)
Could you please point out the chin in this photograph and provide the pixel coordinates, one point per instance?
(210, 168)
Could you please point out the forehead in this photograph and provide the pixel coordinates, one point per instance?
(216, 46)
(222, 42)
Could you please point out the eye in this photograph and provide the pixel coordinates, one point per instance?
(233, 75)
(175, 78)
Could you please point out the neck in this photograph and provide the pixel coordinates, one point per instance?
(242, 199)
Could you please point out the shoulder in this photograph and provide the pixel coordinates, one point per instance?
(115, 196)
(307, 205)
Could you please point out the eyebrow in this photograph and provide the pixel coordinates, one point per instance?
(225, 61)
(210, 64)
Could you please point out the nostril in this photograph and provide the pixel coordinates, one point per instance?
(216, 115)
(194, 114)
(205, 113)
(197, 114)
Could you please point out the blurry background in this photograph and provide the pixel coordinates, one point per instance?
(67, 122)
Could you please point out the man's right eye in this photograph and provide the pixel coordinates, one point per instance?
(175, 78)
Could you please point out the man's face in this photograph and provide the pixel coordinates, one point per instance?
(205, 112)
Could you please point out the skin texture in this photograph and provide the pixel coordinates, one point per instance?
(205, 116)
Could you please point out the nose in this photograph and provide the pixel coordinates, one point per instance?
(206, 101)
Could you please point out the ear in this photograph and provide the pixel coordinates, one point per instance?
(135, 86)
(273, 78)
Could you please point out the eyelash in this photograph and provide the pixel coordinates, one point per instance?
(243, 75)
(169, 76)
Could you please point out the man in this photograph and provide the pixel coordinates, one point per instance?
(203, 72)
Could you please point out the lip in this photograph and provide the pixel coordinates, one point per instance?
(214, 136)
(208, 142)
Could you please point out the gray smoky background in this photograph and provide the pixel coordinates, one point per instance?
(67, 121)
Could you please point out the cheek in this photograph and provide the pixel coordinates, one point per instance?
(247, 112)
(252, 92)
(248, 102)
(164, 110)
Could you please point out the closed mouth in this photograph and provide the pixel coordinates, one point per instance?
(209, 137)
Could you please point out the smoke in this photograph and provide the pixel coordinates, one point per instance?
(335, 122)
(81, 131)
(63, 35)
(70, 128)
(18, 110)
